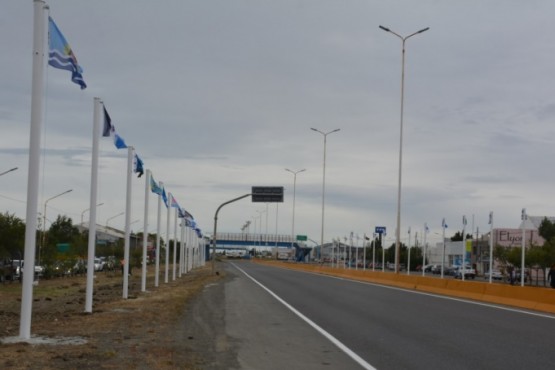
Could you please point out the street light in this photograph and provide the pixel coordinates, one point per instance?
(119, 214)
(398, 230)
(325, 134)
(44, 219)
(88, 209)
(294, 191)
(10, 170)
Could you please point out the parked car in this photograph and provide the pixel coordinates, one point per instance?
(98, 264)
(469, 273)
(495, 275)
(436, 269)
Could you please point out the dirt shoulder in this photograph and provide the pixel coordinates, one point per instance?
(142, 332)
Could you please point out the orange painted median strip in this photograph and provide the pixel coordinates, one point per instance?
(533, 298)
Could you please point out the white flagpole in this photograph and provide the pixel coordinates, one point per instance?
(130, 154)
(408, 260)
(490, 245)
(174, 245)
(443, 253)
(97, 113)
(167, 240)
(181, 241)
(39, 39)
(464, 249)
(158, 230)
(424, 256)
(145, 231)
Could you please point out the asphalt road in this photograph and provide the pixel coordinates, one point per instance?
(359, 325)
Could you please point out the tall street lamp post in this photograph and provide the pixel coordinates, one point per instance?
(398, 231)
(10, 170)
(44, 219)
(325, 134)
(294, 195)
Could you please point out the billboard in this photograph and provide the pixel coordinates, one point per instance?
(513, 237)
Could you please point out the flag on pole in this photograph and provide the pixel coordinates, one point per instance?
(165, 197)
(108, 129)
(443, 224)
(61, 56)
(426, 228)
(173, 202)
(119, 142)
(154, 187)
(139, 166)
(490, 218)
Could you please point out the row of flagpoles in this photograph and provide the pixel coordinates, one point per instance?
(192, 250)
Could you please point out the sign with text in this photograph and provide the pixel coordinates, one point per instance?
(267, 194)
(380, 230)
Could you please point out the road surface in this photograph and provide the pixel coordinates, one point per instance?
(265, 317)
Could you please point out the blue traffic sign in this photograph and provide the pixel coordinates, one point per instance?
(380, 230)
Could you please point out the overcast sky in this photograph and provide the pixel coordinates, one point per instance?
(220, 95)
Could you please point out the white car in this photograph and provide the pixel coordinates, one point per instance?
(98, 264)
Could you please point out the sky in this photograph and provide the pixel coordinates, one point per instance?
(218, 96)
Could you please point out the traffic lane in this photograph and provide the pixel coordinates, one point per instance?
(267, 335)
(392, 328)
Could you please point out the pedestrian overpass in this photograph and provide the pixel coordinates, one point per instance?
(230, 243)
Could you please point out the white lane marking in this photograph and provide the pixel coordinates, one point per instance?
(327, 335)
(489, 305)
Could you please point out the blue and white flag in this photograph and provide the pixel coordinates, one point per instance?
(139, 166)
(426, 228)
(154, 187)
(119, 142)
(443, 224)
(108, 129)
(61, 56)
(165, 197)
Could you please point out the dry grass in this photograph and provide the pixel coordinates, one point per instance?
(136, 333)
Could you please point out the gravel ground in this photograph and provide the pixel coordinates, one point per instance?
(149, 330)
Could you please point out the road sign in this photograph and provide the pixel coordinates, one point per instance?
(302, 238)
(380, 230)
(267, 194)
(62, 247)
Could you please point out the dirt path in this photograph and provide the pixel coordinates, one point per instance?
(143, 332)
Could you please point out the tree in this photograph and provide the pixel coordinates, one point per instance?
(12, 236)
(547, 229)
(61, 231)
(458, 237)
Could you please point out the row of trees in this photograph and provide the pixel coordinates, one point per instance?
(61, 231)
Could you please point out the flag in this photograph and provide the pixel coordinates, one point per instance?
(164, 197)
(154, 187)
(464, 220)
(366, 238)
(119, 142)
(199, 232)
(108, 129)
(490, 218)
(61, 56)
(173, 202)
(138, 166)
(443, 224)
(426, 228)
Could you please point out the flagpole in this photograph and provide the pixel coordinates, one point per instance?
(167, 240)
(158, 230)
(424, 256)
(145, 231)
(181, 245)
(39, 39)
(174, 245)
(130, 155)
(97, 112)
(490, 245)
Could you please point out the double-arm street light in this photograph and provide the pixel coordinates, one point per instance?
(294, 192)
(88, 209)
(44, 219)
(119, 214)
(325, 134)
(398, 230)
